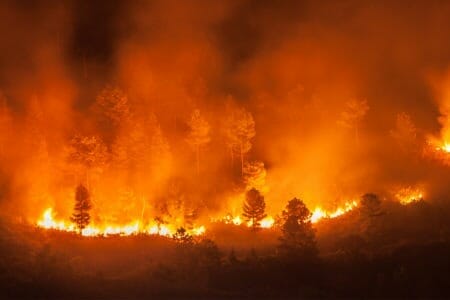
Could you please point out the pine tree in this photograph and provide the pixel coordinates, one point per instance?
(81, 216)
(239, 130)
(183, 237)
(353, 114)
(371, 221)
(254, 208)
(89, 154)
(198, 135)
(298, 237)
(405, 132)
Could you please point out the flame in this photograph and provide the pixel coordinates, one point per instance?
(445, 147)
(47, 221)
(408, 195)
(319, 213)
(440, 146)
(267, 222)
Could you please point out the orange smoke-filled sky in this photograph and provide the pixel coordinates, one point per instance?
(294, 65)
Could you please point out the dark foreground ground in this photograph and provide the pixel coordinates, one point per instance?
(406, 254)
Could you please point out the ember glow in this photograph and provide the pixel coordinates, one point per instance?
(47, 221)
(409, 195)
(319, 213)
(445, 147)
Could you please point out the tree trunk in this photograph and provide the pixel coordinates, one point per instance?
(143, 210)
(197, 153)
(87, 180)
(232, 156)
(242, 161)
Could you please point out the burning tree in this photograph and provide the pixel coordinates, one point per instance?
(254, 208)
(240, 129)
(198, 135)
(298, 236)
(81, 216)
(183, 237)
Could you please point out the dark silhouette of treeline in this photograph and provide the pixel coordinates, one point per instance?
(381, 249)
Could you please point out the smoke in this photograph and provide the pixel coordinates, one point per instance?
(295, 66)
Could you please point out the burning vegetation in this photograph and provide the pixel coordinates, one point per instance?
(172, 147)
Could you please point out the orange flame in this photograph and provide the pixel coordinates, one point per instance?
(47, 221)
(408, 195)
(319, 213)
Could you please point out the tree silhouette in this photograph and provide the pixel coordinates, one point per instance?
(183, 237)
(298, 236)
(81, 216)
(370, 205)
(5, 124)
(239, 130)
(370, 213)
(198, 134)
(254, 208)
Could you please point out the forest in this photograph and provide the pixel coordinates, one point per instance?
(224, 149)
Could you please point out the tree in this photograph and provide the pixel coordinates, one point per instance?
(354, 112)
(183, 237)
(81, 216)
(370, 205)
(160, 153)
(255, 176)
(113, 104)
(370, 213)
(5, 124)
(113, 111)
(198, 134)
(89, 153)
(254, 208)
(405, 132)
(298, 236)
(239, 130)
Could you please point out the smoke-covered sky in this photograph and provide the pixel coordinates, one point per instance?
(294, 65)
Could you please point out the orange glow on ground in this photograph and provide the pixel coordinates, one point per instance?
(409, 195)
(319, 213)
(48, 221)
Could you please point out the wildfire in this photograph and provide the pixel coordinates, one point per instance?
(267, 222)
(47, 221)
(438, 150)
(445, 147)
(319, 213)
(409, 195)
